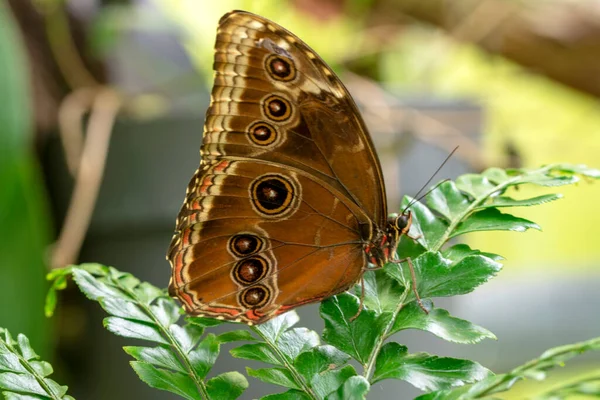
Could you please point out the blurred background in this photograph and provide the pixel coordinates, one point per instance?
(101, 120)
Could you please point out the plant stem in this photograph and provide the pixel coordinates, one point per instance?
(554, 357)
(297, 376)
(370, 365)
(570, 389)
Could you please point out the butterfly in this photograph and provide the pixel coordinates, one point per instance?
(288, 206)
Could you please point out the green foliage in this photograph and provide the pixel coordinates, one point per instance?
(534, 369)
(588, 386)
(307, 365)
(22, 374)
(24, 226)
(181, 356)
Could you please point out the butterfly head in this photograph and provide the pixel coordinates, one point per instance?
(401, 222)
(398, 225)
(383, 249)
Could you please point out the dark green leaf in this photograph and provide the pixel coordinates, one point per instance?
(59, 282)
(23, 374)
(203, 357)
(448, 201)
(10, 362)
(25, 226)
(204, 322)
(26, 350)
(440, 323)
(355, 338)
(15, 396)
(277, 376)
(425, 371)
(289, 395)
(277, 333)
(497, 382)
(256, 351)
(586, 387)
(276, 326)
(496, 175)
(577, 169)
(504, 201)
(124, 308)
(535, 369)
(409, 247)
(355, 388)
(43, 368)
(135, 330)
(94, 269)
(543, 179)
(319, 359)
(329, 381)
(21, 383)
(126, 281)
(236, 336)
(174, 382)
(158, 356)
(227, 386)
(425, 226)
(475, 185)
(144, 292)
(142, 311)
(165, 311)
(94, 288)
(459, 251)
(448, 394)
(437, 277)
(187, 336)
(491, 219)
(381, 293)
(294, 341)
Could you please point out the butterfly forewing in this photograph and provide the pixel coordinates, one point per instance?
(260, 67)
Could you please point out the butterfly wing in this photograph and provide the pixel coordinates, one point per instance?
(276, 99)
(289, 187)
(256, 239)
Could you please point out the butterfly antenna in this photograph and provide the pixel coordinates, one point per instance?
(417, 198)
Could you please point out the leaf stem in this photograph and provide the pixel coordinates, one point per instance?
(180, 352)
(370, 365)
(297, 376)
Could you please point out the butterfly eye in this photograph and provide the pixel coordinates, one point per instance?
(280, 68)
(403, 222)
(276, 108)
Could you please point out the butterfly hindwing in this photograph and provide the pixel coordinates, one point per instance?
(256, 239)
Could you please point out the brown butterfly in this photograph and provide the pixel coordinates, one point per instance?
(288, 206)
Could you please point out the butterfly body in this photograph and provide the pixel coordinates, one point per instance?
(288, 205)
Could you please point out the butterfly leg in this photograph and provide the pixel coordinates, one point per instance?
(362, 298)
(413, 279)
